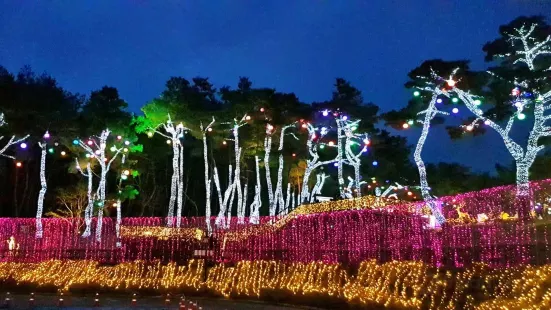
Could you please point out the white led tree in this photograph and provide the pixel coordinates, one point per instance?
(524, 45)
(208, 180)
(350, 157)
(313, 162)
(43, 187)
(254, 217)
(88, 212)
(95, 147)
(316, 190)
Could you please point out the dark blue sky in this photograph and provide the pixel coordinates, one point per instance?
(294, 46)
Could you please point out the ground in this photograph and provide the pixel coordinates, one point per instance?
(44, 302)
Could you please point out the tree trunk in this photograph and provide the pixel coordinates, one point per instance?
(522, 201)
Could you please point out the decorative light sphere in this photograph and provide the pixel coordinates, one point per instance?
(87, 155)
(150, 134)
(451, 83)
(168, 141)
(375, 163)
(405, 126)
(521, 116)
(18, 164)
(124, 177)
(126, 142)
(224, 142)
(248, 118)
(63, 153)
(322, 146)
(439, 100)
(366, 141)
(336, 164)
(270, 127)
(23, 145)
(410, 122)
(345, 117)
(416, 93)
(515, 91)
(455, 100)
(469, 128)
(51, 150)
(354, 128)
(331, 143)
(126, 172)
(410, 193)
(75, 142)
(325, 113)
(119, 137)
(477, 102)
(294, 155)
(455, 110)
(210, 129)
(97, 152)
(90, 142)
(113, 149)
(47, 135)
(262, 110)
(486, 122)
(304, 126)
(125, 150)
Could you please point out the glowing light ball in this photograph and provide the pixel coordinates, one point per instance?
(248, 118)
(410, 122)
(515, 91)
(51, 150)
(366, 141)
(455, 100)
(375, 163)
(262, 110)
(224, 142)
(23, 145)
(325, 113)
(47, 135)
(269, 127)
(75, 142)
(97, 152)
(486, 122)
(345, 117)
(331, 143)
(90, 142)
(405, 126)
(469, 128)
(439, 100)
(477, 102)
(521, 116)
(126, 142)
(63, 153)
(210, 129)
(416, 93)
(168, 141)
(124, 177)
(113, 149)
(119, 137)
(451, 83)
(294, 155)
(518, 104)
(125, 150)
(410, 193)
(354, 128)
(322, 146)
(150, 134)
(126, 172)
(87, 155)
(336, 164)
(455, 110)
(18, 164)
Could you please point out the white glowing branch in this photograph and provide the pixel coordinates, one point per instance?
(118, 206)
(351, 158)
(208, 181)
(339, 159)
(267, 148)
(12, 140)
(531, 49)
(221, 218)
(42, 193)
(88, 212)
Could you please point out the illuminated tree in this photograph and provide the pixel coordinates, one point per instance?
(524, 50)
(208, 180)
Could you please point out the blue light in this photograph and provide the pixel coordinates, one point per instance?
(75, 142)
(375, 163)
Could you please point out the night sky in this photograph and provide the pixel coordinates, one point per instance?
(293, 46)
